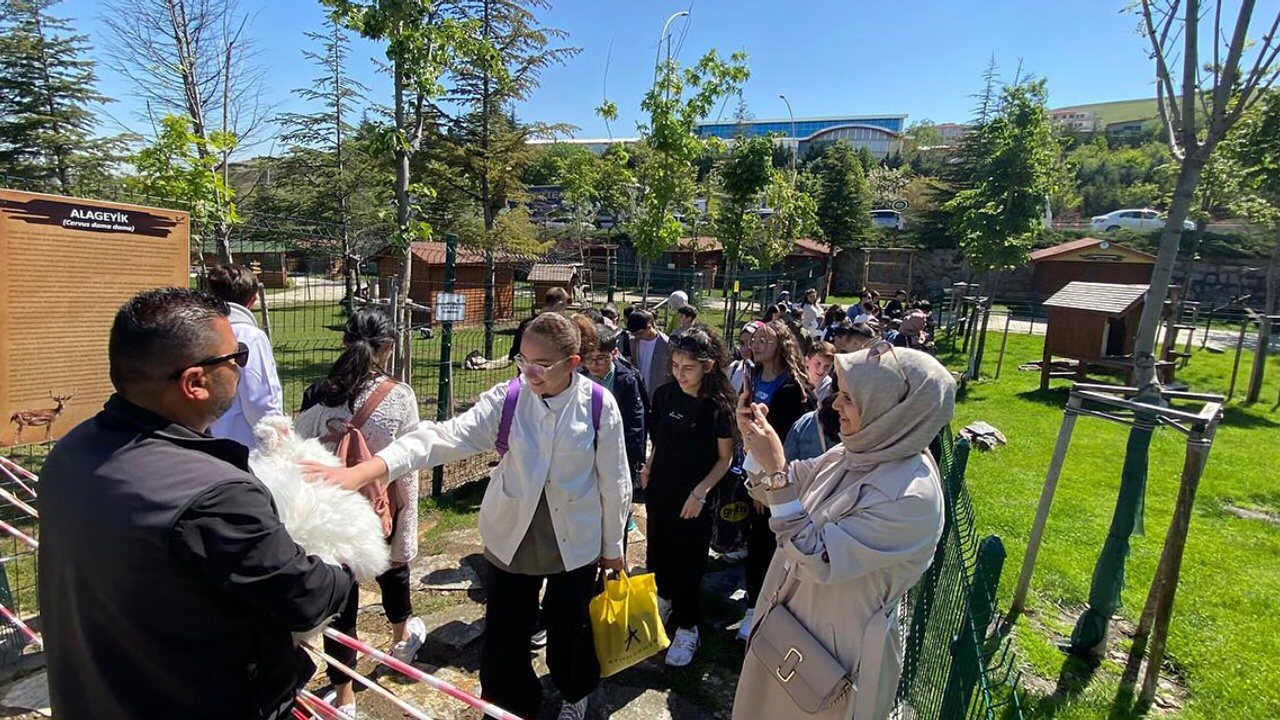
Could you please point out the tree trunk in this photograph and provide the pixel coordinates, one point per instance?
(1144, 356)
(1190, 269)
(1264, 331)
(992, 279)
(402, 222)
(831, 271)
(489, 270)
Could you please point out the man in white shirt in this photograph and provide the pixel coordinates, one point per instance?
(650, 350)
(259, 393)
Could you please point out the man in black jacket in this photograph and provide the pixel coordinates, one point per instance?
(168, 586)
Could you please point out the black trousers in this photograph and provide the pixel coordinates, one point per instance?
(678, 556)
(761, 544)
(394, 584)
(511, 613)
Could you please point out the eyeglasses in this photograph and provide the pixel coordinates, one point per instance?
(535, 371)
(878, 348)
(598, 359)
(240, 356)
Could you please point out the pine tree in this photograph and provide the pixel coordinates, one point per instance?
(322, 137)
(843, 202)
(490, 142)
(47, 90)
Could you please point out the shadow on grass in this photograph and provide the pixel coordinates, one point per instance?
(1236, 416)
(1073, 678)
(1054, 397)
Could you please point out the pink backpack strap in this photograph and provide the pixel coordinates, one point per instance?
(508, 414)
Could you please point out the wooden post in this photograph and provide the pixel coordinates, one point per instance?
(266, 315)
(1259, 359)
(1046, 501)
(1235, 367)
(1004, 340)
(1159, 608)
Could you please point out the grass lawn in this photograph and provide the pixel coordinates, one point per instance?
(1224, 645)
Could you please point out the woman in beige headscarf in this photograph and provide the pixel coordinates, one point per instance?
(856, 528)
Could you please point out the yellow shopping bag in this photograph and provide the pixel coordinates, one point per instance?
(625, 623)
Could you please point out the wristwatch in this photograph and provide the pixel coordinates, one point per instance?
(773, 481)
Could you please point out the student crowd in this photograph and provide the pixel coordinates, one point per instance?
(170, 588)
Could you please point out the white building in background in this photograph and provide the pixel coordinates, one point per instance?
(1075, 120)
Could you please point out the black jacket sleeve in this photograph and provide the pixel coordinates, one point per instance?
(232, 536)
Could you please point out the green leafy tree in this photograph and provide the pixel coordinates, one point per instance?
(175, 168)
(795, 215)
(615, 184)
(843, 202)
(423, 43)
(1011, 159)
(321, 140)
(668, 177)
(867, 159)
(887, 184)
(514, 50)
(1255, 153)
(744, 174)
(47, 100)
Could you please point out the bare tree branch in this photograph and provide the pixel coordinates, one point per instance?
(1164, 81)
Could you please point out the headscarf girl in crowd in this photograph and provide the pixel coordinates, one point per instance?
(555, 507)
(691, 423)
(779, 384)
(358, 384)
(856, 528)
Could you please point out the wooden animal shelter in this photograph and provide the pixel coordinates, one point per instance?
(1095, 324)
(428, 278)
(66, 266)
(1091, 260)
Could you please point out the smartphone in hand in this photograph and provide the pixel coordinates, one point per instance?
(749, 380)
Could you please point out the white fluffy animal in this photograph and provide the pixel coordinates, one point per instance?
(337, 525)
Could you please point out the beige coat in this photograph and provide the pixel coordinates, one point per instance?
(861, 542)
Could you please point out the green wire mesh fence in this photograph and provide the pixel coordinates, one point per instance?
(952, 670)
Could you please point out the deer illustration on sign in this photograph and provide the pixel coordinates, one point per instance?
(40, 418)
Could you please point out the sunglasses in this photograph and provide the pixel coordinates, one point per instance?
(535, 371)
(880, 347)
(240, 356)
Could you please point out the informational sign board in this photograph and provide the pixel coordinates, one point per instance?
(66, 266)
(450, 307)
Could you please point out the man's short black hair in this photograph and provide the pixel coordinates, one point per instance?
(594, 315)
(608, 338)
(159, 332)
(924, 305)
(233, 283)
(639, 320)
(688, 311)
(610, 311)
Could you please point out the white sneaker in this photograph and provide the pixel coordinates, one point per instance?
(744, 630)
(664, 609)
(574, 711)
(348, 712)
(407, 649)
(686, 643)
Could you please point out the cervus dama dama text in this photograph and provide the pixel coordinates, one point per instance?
(40, 418)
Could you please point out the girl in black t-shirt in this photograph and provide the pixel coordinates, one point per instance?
(691, 422)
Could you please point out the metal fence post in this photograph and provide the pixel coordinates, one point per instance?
(444, 390)
(613, 276)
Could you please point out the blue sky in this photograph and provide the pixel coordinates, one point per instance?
(830, 57)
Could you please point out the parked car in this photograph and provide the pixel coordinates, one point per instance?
(1134, 220)
(888, 218)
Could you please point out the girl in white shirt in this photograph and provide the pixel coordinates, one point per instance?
(556, 507)
(812, 312)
